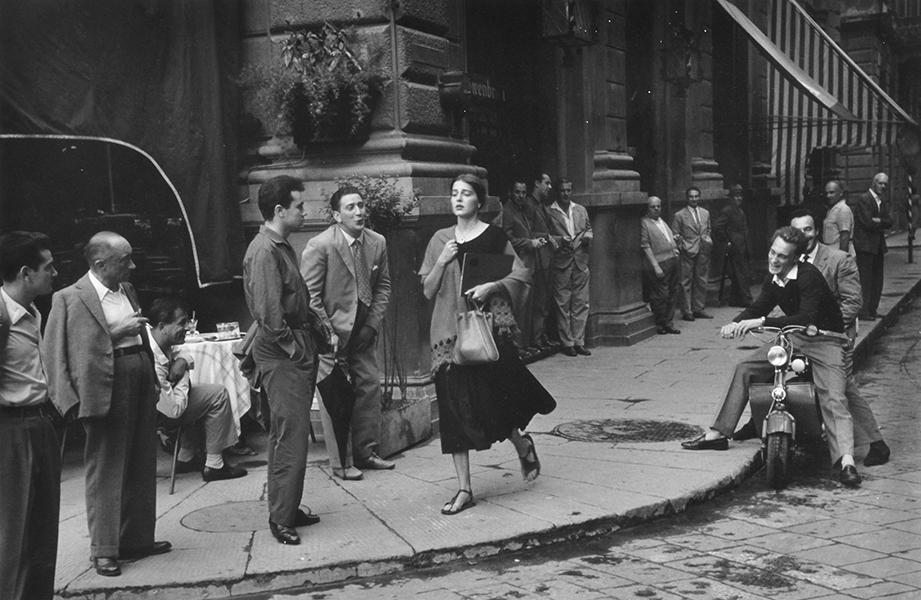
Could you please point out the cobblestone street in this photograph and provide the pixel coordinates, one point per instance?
(815, 539)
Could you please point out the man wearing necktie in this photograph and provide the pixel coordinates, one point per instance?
(871, 220)
(692, 226)
(345, 268)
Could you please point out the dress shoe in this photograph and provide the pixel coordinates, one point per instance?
(582, 350)
(849, 476)
(669, 329)
(701, 443)
(348, 473)
(225, 472)
(107, 567)
(687, 317)
(303, 519)
(878, 454)
(740, 304)
(569, 351)
(374, 463)
(866, 316)
(702, 315)
(241, 449)
(285, 535)
(155, 548)
(745, 432)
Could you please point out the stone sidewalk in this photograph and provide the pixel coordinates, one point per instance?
(610, 458)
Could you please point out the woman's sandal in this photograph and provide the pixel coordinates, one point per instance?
(530, 467)
(448, 508)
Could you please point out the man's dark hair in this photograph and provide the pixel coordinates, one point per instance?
(692, 188)
(791, 235)
(20, 249)
(802, 212)
(338, 194)
(565, 180)
(538, 176)
(518, 178)
(476, 183)
(163, 310)
(277, 192)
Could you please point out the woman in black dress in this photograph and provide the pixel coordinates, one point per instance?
(478, 404)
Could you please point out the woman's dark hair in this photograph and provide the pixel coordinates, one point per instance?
(476, 183)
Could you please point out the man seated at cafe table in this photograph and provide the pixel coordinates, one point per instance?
(205, 403)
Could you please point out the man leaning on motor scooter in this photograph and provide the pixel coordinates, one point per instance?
(801, 291)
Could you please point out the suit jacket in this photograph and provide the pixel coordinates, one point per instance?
(840, 272)
(524, 223)
(652, 237)
(731, 225)
(78, 351)
(868, 236)
(566, 255)
(329, 272)
(695, 239)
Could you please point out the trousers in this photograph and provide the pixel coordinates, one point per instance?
(570, 296)
(694, 282)
(30, 496)
(121, 462)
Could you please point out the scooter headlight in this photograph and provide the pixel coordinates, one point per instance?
(777, 356)
(798, 365)
(779, 394)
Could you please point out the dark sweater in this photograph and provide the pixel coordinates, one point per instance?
(806, 300)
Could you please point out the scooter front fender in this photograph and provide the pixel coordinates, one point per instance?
(779, 421)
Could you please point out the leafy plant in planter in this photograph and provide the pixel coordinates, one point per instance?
(323, 91)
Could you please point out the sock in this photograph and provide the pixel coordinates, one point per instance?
(847, 460)
(713, 434)
(186, 454)
(214, 461)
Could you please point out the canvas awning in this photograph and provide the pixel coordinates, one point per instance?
(818, 96)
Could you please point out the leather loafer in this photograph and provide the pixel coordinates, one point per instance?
(156, 548)
(285, 535)
(348, 474)
(225, 472)
(878, 454)
(687, 317)
(664, 330)
(701, 443)
(188, 466)
(374, 463)
(582, 350)
(849, 477)
(569, 351)
(702, 315)
(745, 432)
(304, 519)
(107, 567)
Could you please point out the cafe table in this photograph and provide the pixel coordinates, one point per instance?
(216, 363)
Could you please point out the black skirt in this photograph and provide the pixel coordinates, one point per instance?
(482, 404)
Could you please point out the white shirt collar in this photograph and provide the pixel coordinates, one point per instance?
(873, 193)
(790, 277)
(810, 258)
(348, 238)
(158, 353)
(101, 288)
(557, 206)
(16, 310)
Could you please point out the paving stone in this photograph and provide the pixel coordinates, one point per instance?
(886, 567)
(879, 590)
(886, 540)
(838, 555)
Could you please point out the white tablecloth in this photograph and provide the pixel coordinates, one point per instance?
(215, 363)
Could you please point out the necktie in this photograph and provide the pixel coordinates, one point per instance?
(362, 276)
(696, 217)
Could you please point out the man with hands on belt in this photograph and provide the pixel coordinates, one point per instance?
(97, 359)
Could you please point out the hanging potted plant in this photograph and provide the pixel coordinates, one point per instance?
(323, 90)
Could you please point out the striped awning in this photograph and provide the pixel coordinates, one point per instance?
(818, 96)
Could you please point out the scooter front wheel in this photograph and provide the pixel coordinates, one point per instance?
(777, 459)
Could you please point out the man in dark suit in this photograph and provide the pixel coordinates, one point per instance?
(871, 220)
(571, 230)
(346, 270)
(30, 460)
(524, 221)
(97, 359)
(800, 290)
(731, 230)
(692, 226)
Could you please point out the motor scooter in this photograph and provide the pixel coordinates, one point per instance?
(786, 413)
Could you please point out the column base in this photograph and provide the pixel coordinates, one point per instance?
(623, 326)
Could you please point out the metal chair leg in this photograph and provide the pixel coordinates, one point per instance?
(172, 473)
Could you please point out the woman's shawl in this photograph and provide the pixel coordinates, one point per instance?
(448, 300)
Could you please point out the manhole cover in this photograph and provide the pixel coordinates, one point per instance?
(626, 430)
(227, 517)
